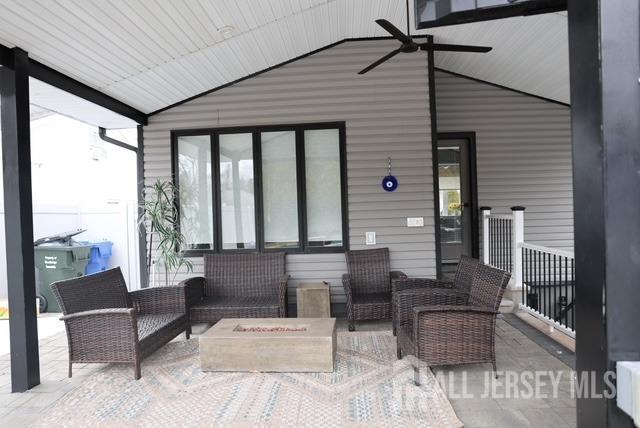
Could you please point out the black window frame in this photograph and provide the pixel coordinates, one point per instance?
(255, 131)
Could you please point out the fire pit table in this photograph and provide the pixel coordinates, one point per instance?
(269, 345)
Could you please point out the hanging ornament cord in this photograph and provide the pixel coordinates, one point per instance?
(389, 162)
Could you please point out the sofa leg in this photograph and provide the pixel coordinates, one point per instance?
(399, 352)
(495, 369)
(70, 369)
(352, 326)
(187, 332)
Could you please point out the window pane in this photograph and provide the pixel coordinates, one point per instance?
(324, 202)
(236, 191)
(280, 189)
(194, 181)
(451, 224)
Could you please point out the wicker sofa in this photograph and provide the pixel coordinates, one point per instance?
(245, 285)
(105, 323)
(449, 326)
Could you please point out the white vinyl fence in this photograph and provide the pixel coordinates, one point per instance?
(115, 222)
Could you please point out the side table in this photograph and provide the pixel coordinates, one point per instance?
(314, 300)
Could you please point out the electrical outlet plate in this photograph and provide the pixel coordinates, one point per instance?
(370, 238)
(415, 221)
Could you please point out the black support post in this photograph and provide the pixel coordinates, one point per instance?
(16, 162)
(433, 113)
(142, 231)
(605, 100)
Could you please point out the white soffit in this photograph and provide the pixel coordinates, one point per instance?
(153, 53)
(37, 112)
(44, 97)
(530, 54)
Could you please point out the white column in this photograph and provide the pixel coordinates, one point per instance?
(486, 211)
(516, 250)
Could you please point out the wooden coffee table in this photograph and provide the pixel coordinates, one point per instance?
(269, 345)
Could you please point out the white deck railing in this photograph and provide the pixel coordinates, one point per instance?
(545, 276)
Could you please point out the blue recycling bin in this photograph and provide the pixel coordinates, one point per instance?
(99, 257)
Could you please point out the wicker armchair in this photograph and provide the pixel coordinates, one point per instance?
(245, 285)
(368, 285)
(448, 326)
(107, 324)
(461, 281)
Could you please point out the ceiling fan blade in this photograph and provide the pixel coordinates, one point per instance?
(380, 61)
(454, 48)
(393, 30)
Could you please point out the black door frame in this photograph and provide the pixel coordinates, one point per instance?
(473, 186)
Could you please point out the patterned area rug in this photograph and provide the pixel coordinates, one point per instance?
(369, 387)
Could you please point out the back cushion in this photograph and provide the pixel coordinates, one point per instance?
(243, 275)
(488, 287)
(369, 270)
(96, 291)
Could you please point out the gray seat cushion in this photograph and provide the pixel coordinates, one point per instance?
(235, 302)
(381, 298)
(212, 309)
(150, 324)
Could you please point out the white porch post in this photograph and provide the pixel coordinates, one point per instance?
(486, 211)
(516, 250)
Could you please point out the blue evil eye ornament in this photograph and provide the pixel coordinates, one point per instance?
(389, 183)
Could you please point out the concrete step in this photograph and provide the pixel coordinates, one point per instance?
(507, 306)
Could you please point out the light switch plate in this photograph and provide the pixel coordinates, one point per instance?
(370, 238)
(415, 221)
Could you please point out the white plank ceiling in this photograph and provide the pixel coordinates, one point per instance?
(153, 53)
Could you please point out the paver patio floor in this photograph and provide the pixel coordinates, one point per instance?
(478, 399)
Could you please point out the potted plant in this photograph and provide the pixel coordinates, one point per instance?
(159, 217)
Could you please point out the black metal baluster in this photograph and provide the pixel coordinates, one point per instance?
(545, 273)
(573, 294)
(504, 254)
(549, 284)
(566, 280)
(536, 267)
(530, 263)
(510, 246)
(524, 277)
(563, 307)
(493, 242)
(498, 242)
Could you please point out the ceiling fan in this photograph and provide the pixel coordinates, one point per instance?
(408, 45)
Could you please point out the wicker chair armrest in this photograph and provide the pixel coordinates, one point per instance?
(346, 284)
(453, 308)
(397, 275)
(411, 283)
(102, 335)
(193, 289)
(160, 300)
(434, 296)
(406, 300)
(108, 312)
(282, 294)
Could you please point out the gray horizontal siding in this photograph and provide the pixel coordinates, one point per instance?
(523, 153)
(386, 114)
